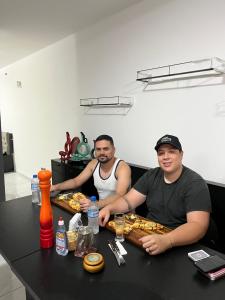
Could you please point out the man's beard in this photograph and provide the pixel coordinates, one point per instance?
(104, 159)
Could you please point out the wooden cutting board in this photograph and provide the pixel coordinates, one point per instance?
(136, 233)
(64, 204)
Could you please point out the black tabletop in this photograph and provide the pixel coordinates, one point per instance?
(46, 275)
(20, 229)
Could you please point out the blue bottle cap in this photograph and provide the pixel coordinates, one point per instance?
(93, 198)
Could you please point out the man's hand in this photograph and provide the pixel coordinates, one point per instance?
(53, 188)
(104, 215)
(84, 204)
(156, 243)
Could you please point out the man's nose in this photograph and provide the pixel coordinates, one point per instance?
(166, 155)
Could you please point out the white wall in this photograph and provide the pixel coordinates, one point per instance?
(39, 113)
(141, 38)
(103, 61)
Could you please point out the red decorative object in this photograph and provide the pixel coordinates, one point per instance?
(46, 217)
(69, 147)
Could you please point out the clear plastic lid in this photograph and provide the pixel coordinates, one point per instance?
(61, 221)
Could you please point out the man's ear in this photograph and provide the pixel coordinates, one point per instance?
(182, 153)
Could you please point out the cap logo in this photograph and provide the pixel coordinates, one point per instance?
(166, 139)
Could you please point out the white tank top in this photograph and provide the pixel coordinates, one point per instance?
(107, 186)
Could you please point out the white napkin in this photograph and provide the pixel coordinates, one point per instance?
(75, 222)
(121, 248)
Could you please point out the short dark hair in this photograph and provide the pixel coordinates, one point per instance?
(104, 137)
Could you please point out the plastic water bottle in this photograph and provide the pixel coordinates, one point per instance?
(93, 213)
(35, 189)
(61, 238)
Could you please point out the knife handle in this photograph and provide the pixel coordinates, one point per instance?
(115, 253)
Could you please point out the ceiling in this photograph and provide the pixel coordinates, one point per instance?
(27, 26)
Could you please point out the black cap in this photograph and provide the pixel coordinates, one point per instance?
(169, 139)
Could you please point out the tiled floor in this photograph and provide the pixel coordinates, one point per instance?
(10, 287)
(16, 186)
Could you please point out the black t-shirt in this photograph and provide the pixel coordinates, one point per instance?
(169, 203)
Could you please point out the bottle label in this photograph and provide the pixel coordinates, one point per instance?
(93, 213)
(60, 241)
(34, 187)
(60, 235)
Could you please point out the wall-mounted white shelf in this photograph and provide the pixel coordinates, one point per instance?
(182, 71)
(107, 105)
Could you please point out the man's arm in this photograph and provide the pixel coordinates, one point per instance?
(192, 231)
(123, 174)
(78, 180)
(123, 204)
(188, 233)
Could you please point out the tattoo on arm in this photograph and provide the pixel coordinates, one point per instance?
(127, 202)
